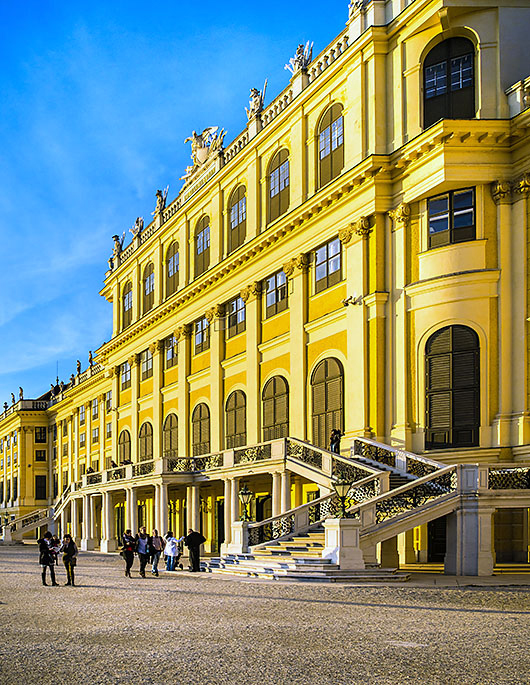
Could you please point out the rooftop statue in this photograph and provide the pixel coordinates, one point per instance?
(161, 197)
(116, 250)
(138, 226)
(203, 144)
(20, 393)
(301, 59)
(12, 398)
(257, 98)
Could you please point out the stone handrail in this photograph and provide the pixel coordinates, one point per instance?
(328, 56)
(18, 524)
(518, 96)
(278, 105)
(330, 463)
(402, 460)
(236, 146)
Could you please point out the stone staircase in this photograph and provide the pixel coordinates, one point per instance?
(298, 558)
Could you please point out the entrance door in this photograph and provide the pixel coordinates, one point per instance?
(511, 533)
(263, 508)
(436, 542)
(220, 523)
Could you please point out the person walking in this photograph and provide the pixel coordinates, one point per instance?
(46, 559)
(143, 548)
(129, 543)
(193, 542)
(69, 550)
(171, 551)
(157, 546)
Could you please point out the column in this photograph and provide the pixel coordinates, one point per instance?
(285, 498)
(276, 493)
(132, 510)
(298, 491)
(251, 295)
(469, 539)
(502, 195)
(234, 500)
(192, 507)
(162, 521)
(407, 554)
(156, 350)
(102, 432)
(115, 404)
(88, 435)
(63, 523)
(217, 339)
(227, 514)
(183, 335)
(74, 531)
(159, 274)
(296, 271)
(134, 362)
(108, 541)
(389, 553)
(93, 522)
(116, 308)
(87, 542)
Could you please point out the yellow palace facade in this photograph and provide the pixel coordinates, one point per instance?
(357, 258)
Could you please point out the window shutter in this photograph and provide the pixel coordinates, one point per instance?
(439, 372)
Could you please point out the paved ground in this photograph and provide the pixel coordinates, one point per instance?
(198, 628)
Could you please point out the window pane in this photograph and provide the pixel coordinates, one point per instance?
(325, 142)
(275, 183)
(461, 72)
(463, 199)
(439, 205)
(336, 134)
(436, 80)
(438, 224)
(321, 254)
(284, 175)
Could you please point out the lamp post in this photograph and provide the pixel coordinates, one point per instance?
(342, 487)
(245, 495)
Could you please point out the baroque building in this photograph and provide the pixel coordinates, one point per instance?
(357, 258)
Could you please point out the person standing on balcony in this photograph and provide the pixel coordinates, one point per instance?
(157, 545)
(143, 549)
(129, 543)
(193, 542)
(334, 441)
(69, 550)
(46, 559)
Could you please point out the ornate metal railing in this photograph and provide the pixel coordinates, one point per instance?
(143, 468)
(396, 458)
(417, 494)
(304, 453)
(30, 519)
(251, 454)
(116, 473)
(375, 452)
(180, 464)
(94, 478)
(208, 461)
(513, 478)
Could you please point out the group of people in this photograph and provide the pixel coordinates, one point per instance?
(150, 548)
(49, 549)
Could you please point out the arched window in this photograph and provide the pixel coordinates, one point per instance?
(171, 436)
(202, 246)
(237, 218)
(149, 287)
(236, 420)
(449, 81)
(330, 145)
(327, 385)
(124, 448)
(452, 378)
(127, 303)
(200, 422)
(275, 399)
(172, 269)
(278, 184)
(146, 442)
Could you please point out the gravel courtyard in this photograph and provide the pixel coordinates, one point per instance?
(199, 628)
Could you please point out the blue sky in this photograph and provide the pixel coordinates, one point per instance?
(96, 100)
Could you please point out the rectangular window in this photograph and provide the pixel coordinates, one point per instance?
(236, 317)
(82, 439)
(54, 432)
(171, 351)
(40, 487)
(108, 401)
(40, 455)
(328, 265)
(435, 80)
(15, 487)
(146, 359)
(95, 409)
(109, 430)
(8, 493)
(15, 438)
(275, 289)
(95, 435)
(201, 335)
(40, 434)
(279, 179)
(82, 415)
(451, 217)
(65, 450)
(203, 240)
(125, 375)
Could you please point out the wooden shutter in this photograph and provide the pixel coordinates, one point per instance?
(327, 400)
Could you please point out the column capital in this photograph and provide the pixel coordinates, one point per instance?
(215, 312)
(360, 227)
(401, 215)
(254, 290)
(156, 346)
(301, 262)
(183, 331)
(134, 360)
(522, 185)
(501, 192)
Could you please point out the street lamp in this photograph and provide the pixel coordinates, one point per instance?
(245, 495)
(342, 487)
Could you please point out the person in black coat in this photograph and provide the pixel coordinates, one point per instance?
(69, 550)
(193, 542)
(334, 441)
(46, 558)
(129, 544)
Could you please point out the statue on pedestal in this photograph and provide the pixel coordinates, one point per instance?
(257, 98)
(301, 59)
